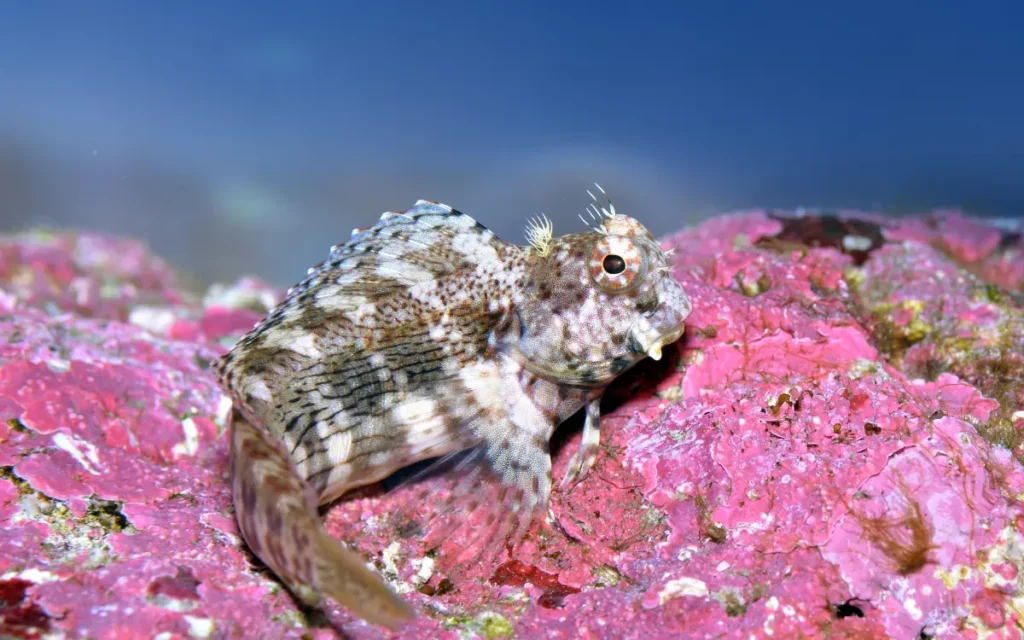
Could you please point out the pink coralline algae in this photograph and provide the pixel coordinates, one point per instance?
(832, 450)
(88, 274)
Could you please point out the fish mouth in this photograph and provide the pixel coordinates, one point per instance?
(652, 331)
(651, 341)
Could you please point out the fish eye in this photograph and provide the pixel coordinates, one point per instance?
(615, 263)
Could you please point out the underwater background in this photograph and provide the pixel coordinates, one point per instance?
(248, 137)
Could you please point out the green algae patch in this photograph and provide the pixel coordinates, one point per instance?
(488, 625)
(929, 316)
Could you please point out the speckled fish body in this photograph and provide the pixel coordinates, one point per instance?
(421, 336)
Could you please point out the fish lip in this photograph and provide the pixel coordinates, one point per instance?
(651, 341)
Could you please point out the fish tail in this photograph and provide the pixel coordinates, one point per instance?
(277, 515)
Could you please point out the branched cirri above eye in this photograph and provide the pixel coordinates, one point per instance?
(615, 263)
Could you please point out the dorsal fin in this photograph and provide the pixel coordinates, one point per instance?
(403, 249)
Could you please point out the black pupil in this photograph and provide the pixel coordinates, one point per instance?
(614, 264)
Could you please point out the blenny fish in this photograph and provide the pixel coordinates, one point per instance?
(422, 336)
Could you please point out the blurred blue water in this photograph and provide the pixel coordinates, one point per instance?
(249, 136)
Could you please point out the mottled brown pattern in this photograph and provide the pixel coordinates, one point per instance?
(422, 336)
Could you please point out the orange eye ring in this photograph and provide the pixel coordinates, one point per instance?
(615, 263)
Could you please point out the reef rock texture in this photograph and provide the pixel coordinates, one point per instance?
(832, 450)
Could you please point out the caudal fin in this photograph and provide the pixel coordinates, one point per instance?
(277, 515)
(343, 576)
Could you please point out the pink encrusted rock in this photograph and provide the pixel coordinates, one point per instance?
(84, 273)
(832, 450)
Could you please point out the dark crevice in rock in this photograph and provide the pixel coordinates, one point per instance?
(17, 425)
(848, 609)
(107, 515)
(856, 238)
(1009, 239)
(24, 488)
(19, 616)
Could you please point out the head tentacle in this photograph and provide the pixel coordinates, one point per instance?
(539, 232)
(598, 211)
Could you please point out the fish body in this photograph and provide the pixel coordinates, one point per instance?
(422, 336)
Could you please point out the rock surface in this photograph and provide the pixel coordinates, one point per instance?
(832, 450)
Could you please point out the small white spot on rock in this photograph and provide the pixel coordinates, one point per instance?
(31, 575)
(191, 444)
(425, 572)
(70, 444)
(911, 606)
(856, 243)
(58, 365)
(155, 320)
(200, 627)
(682, 587)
